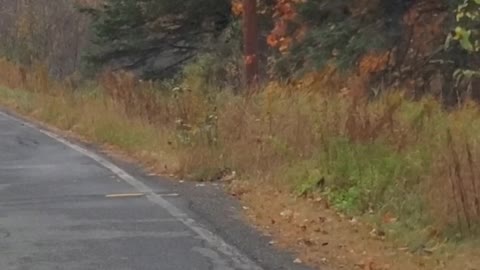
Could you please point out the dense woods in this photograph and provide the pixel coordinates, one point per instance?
(385, 44)
(155, 37)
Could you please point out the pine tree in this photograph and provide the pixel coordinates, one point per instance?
(136, 34)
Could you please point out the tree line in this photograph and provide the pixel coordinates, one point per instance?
(387, 43)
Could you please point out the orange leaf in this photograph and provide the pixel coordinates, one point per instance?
(237, 7)
(272, 40)
(389, 218)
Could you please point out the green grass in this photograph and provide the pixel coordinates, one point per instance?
(359, 178)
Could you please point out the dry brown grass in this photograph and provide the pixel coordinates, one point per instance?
(391, 156)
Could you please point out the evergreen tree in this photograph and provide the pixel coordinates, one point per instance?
(154, 37)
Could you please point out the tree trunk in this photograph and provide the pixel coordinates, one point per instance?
(250, 34)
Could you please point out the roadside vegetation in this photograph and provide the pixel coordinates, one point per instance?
(407, 167)
(372, 141)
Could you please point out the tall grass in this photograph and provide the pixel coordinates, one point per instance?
(390, 156)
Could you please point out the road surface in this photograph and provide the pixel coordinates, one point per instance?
(63, 206)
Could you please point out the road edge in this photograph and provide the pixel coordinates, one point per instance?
(240, 260)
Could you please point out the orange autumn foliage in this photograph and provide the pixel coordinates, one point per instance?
(285, 13)
(374, 62)
(237, 7)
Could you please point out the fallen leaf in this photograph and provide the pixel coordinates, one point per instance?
(286, 213)
(389, 218)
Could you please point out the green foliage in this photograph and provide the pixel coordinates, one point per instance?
(218, 68)
(128, 34)
(342, 31)
(465, 37)
(362, 177)
(466, 33)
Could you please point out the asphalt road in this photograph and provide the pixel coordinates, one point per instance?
(64, 206)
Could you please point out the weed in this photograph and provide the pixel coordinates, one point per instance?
(408, 159)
